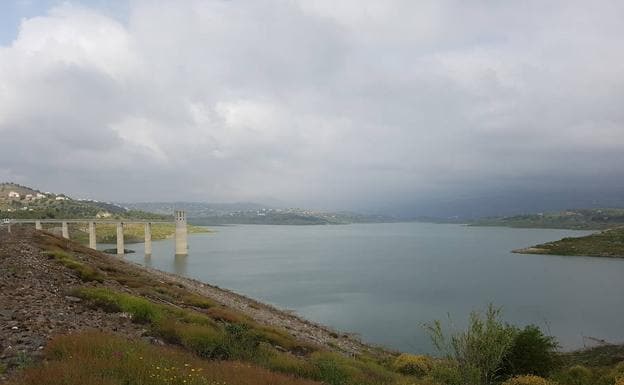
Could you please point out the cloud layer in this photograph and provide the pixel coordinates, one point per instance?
(356, 104)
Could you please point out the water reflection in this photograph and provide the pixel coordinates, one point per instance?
(180, 264)
(410, 273)
(147, 260)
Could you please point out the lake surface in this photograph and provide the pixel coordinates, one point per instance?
(384, 281)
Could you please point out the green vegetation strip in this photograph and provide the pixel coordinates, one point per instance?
(222, 334)
(104, 359)
(608, 243)
(84, 271)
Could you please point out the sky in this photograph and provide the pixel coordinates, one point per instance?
(397, 106)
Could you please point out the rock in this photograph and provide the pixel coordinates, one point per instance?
(72, 299)
(155, 341)
(6, 313)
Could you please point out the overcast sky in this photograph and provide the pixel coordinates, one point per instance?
(352, 104)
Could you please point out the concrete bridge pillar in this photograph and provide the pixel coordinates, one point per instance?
(92, 239)
(148, 238)
(181, 234)
(38, 225)
(65, 230)
(120, 239)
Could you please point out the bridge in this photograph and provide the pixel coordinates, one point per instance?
(181, 233)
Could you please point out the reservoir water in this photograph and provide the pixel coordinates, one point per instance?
(384, 281)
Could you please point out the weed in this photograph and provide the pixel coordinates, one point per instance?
(198, 301)
(23, 360)
(481, 348)
(416, 365)
(96, 358)
(142, 310)
(527, 380)
(85, 272)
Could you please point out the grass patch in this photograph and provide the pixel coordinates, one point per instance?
(142, 310)
(198, 301)
(96, 358)
(226, 315)
(607, 355)
(84, 271)
(222, 334)
(281, 338)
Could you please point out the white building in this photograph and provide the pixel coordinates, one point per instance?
(61, 198)
(13, 194)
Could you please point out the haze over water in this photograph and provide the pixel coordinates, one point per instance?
(383, 281)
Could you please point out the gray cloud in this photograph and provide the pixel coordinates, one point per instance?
(360, 104)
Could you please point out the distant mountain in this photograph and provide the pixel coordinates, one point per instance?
(22, 202)
(254, 213)
(590, 219)
(195, 209)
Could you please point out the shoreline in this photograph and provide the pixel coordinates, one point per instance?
(58, 291)
(41, 300)
(270, 315)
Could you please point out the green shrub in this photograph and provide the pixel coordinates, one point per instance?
(242, 343)
(618, 371)
(527, 380)
(480, 348)
(336, 369)
(329, 368)
(449, 372)
(532, 352)
(206, 341)
(288, 363)
(415, 365)
(575, 375)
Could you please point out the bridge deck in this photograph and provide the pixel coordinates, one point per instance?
(113, 221)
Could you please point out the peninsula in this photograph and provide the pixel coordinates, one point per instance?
(607, 243)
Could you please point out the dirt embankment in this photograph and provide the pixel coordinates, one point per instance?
(36, 302)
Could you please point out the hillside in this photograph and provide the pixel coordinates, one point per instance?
(21, 202)
(579, 219)
(254, 213)
(607, 243)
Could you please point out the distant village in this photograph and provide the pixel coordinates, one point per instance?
(12, 197)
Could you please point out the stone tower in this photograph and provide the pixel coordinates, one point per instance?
(181, 243)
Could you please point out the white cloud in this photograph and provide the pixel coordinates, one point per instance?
(313, 102)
